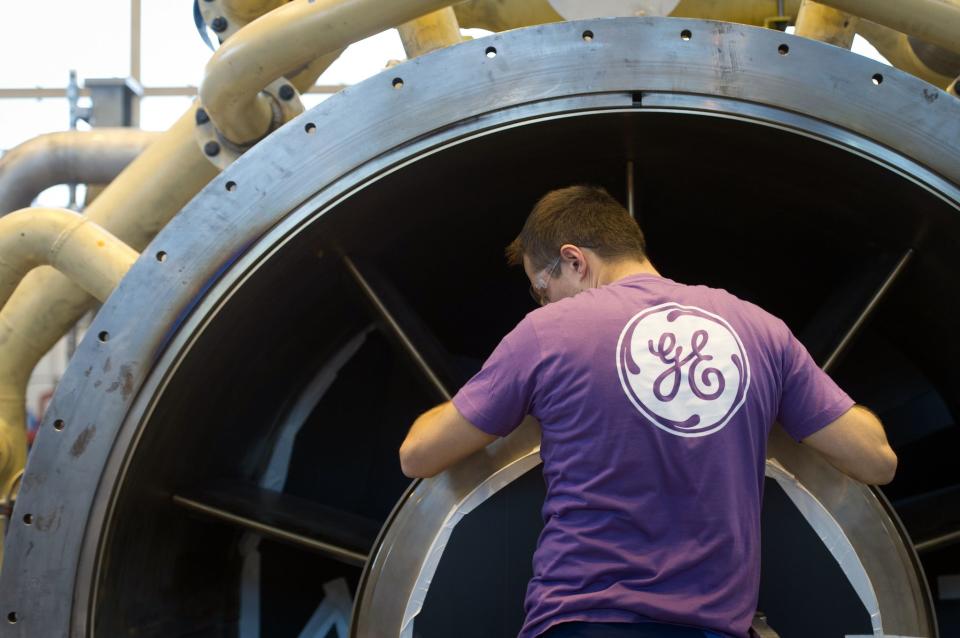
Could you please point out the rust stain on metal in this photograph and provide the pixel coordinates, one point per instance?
(32, 481)
(126, 374)
(124, 382)
(83, 440)
(46, 523)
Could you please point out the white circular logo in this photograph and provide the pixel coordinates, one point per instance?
(683, 368)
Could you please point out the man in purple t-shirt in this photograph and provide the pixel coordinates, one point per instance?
(655, 400)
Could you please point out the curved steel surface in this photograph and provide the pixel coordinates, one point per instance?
(398, 578)
(275, 191)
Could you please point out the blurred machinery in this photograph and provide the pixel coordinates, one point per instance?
(220, 458)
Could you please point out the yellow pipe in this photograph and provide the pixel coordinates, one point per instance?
(245, 11)
(93, 191)
(283, 40)
(226, 17)
(83, 251)
(820, 22)
(70, 242)
(935, 21)
(134, 207)
(500, 15)
(754, 12)
(153, 188)
(427, 33)
(239, 13)
(303, 79)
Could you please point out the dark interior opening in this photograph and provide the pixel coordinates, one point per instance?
(776, 218)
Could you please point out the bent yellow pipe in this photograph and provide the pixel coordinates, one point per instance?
(283, 40)
(70, 242)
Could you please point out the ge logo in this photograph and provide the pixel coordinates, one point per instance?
(683, 368)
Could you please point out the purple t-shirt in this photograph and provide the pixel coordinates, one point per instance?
(656, 400)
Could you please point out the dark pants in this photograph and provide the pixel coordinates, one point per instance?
(623, 630)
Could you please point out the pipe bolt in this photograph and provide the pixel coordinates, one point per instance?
(286, 92)
(202, 117)
(211, 148)
(219, 24)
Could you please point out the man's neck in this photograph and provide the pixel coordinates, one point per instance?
(618, 270)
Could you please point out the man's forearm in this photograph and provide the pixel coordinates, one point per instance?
(423, 422)
(439, 438)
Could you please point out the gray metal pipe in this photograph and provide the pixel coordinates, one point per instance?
(936, 21)
(68, 157)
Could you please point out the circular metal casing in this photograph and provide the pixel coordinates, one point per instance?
(346, 144)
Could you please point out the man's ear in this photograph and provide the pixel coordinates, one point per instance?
(580, 263)
(569, 251)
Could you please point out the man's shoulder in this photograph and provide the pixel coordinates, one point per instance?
(744, 314)
(738, 303)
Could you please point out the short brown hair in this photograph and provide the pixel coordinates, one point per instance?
(582, 215)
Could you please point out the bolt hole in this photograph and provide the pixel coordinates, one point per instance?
(28, 519)
(877, 79)
(491, 52)
(161, 256)
(783, 49)
(104, 336)
(588, 36)
(231, 186)
(58, 425)
(685, 34)
(310, 128)
(398, 83)
(12, 617)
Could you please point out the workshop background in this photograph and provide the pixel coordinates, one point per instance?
(244, 242)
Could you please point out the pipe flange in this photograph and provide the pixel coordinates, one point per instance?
(217, 19)
(225, 19)
(285, 104)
